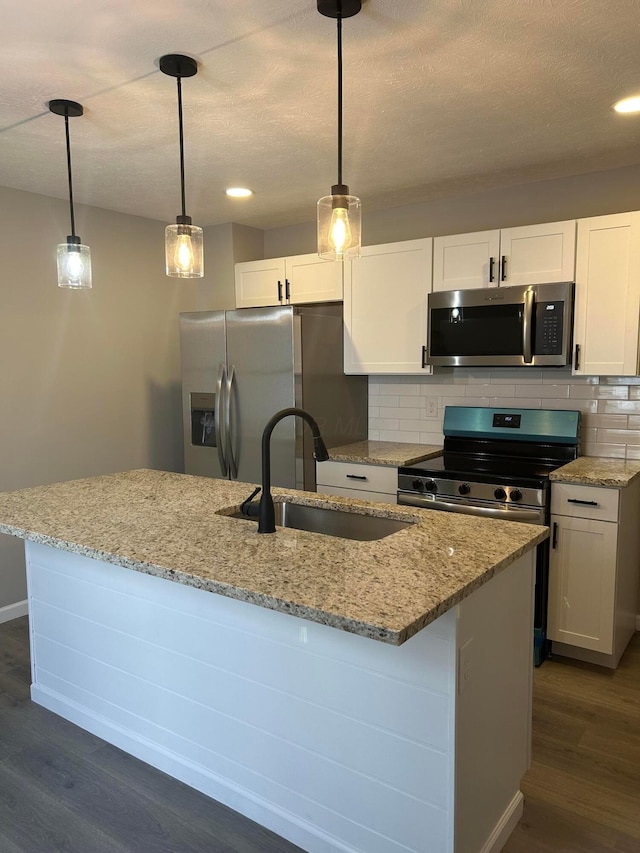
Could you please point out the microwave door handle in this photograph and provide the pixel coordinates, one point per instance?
(527, 327)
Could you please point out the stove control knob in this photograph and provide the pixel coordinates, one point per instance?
(464, 488)
(430, 486)
(516, 495)
(418, 485)
(500, 494)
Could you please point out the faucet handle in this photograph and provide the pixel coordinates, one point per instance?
(320, 452)
(247, 508)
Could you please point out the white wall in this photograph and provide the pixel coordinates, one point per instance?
(90, 381)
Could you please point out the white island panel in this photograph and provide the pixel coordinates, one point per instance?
(334, 741)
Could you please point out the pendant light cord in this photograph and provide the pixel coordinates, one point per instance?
(339, 24)
(66, 128)
(184, 205)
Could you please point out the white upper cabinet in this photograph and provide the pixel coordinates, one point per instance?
(531, 254)
(607, 304)
(285, 281)
(466, 261)
(260, 283)
(385, 308)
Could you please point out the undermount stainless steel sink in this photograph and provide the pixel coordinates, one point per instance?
(333, 522)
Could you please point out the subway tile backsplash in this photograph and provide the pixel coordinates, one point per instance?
(411, 408)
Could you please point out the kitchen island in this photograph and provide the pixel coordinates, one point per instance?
(371, 696)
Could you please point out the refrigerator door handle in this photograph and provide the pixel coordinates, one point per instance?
(233, 465)
(220, 385)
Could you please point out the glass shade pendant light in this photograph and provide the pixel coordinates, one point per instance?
(339, 214)
(74, 259)
(182, 241)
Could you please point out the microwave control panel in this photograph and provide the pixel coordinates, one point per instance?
(548, 328)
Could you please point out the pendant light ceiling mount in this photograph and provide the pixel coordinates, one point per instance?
(62, 107)
(74, 259)
(183, 241)
(339, 214)
(339, 8)
(177, 65)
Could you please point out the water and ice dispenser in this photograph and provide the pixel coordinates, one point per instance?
(203, 419)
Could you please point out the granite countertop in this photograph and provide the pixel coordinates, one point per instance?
(173, 526)
(393, 453)
(598, 471)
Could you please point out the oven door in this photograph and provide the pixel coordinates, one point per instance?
(487, 509)
(501, 326)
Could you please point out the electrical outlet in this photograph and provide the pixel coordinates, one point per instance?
(431, 407)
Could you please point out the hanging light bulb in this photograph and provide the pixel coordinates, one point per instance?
(74, 258)
(340, 229)
(339, 214)
(183, 241)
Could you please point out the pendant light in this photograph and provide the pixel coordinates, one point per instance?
(339, 213)
(74, 259)
(183, 241)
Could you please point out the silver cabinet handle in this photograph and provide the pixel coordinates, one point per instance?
(233, 464)
(582, 503)
(355, 477)
(220, 442)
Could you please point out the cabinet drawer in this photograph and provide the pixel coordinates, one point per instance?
(339, 491)
(584, 501)
(368, 478)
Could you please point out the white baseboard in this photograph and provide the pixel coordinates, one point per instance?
(505, 826)
(13, 611)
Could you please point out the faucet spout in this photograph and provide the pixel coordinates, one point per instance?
(266, 513)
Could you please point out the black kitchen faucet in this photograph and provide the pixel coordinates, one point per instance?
(265, 512)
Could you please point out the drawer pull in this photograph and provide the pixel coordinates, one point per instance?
(356, 477)
(584, 503)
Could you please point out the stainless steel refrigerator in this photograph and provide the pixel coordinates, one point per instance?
(241, 367)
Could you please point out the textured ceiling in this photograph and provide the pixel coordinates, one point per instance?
(442, 97)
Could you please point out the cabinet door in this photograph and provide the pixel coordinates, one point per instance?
(312, 279)
(538, 254)
(607, 295)
(466, 261)
(385, 308)
(582, 579)
(260, 283)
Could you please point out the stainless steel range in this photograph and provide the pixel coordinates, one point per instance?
(496, 463)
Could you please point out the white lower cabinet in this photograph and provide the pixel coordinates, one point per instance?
(357, 480)
(593, 571)
(385, 308)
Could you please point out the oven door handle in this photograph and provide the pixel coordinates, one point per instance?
(527, 327)
(532, 516)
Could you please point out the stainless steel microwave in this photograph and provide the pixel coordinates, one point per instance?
(528, 326)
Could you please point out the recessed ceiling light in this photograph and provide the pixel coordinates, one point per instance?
(239, 192)
(628, 105)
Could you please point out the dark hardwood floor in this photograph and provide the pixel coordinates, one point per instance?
(62, 789)
(582, 793)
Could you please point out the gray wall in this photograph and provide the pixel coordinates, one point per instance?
(90, 381)
(544, 201)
